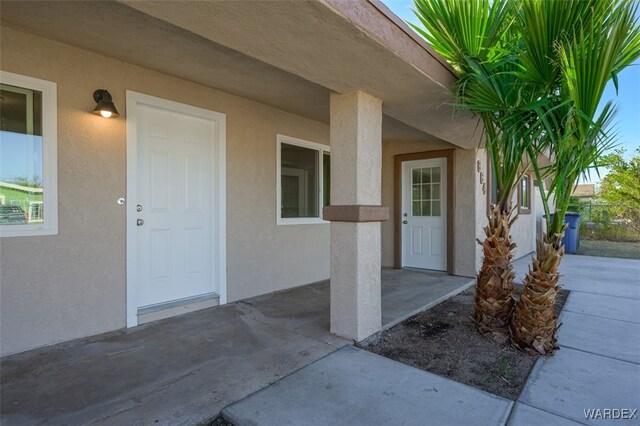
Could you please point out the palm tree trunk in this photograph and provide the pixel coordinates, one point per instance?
(534, 323)
(494, 289)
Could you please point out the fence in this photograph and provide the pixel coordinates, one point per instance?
(597, 213)
(611, 222)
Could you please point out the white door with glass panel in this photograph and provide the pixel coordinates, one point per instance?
(424, 214)
(175, 206)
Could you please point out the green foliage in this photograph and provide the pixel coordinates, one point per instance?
(621, 188)
(600, 214)
(570, 50)
(35, 182)
(479, 40)
(504, 369)
(535, 71)
(608, 232)
(464, 31)
(21, 198)
(577, 205)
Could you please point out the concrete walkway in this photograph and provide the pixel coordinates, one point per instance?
(184, 370)
(355, 387)
(598, 365)
(405, 292)
(596, 368)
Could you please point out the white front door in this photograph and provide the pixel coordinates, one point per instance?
(176, 202)
(424, 214)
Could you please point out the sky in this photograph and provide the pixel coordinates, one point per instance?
(20, 156)
(627, 120)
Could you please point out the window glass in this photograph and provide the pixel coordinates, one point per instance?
(435, 208)
(304, 175)
(299, 185)
(425, 191)
(21, 156)
(435, 174)
(524, 193)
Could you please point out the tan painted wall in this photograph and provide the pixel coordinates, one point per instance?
(469, 212)
(389, 150)
(481, 201)
(76, 285)
(523, 231)
(464, 201)
(71, 285)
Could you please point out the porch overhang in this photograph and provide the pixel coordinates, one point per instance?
(288, 54)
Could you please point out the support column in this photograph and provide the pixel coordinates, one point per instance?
(355, 214)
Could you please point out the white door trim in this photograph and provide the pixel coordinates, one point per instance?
(218, 234)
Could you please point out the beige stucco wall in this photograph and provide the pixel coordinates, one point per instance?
(389, 150)
(465, 188)
(470, 212)
(356, 168)
(523, 231)
(480, 175)
(71, 285)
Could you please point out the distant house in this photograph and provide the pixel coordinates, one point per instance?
(29, 199)
(259, 146)
(584, 191)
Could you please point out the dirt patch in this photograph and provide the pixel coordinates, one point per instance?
(221, 421)
(443, 340)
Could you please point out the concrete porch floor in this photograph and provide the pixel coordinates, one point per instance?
(186, 369)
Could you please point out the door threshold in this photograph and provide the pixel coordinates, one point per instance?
(177, 307)
(415, 268)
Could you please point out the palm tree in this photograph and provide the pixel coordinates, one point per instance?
(569, 51)
(477, 38)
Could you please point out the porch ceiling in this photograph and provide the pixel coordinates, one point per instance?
(288, 54)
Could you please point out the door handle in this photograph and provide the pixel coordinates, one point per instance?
(139, 222)
(405, 221)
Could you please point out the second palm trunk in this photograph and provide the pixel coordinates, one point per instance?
(534, 322)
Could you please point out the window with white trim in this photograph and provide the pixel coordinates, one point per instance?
(303, 181)
(28, 162)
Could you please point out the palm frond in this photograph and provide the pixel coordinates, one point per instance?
(458, 30)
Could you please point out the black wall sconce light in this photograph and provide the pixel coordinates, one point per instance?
(105, 106)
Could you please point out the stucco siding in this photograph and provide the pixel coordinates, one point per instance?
(389, 150)
(469, 217)
(523, 231)
(465, 200)
(71, 285)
